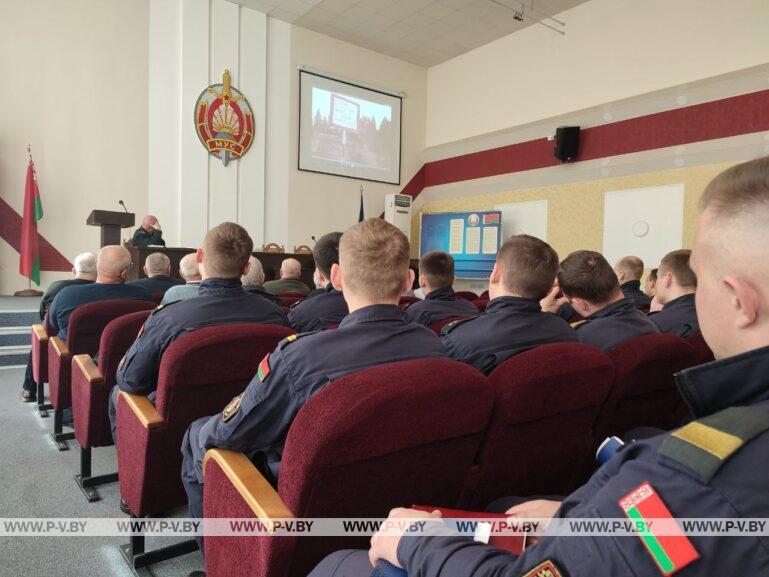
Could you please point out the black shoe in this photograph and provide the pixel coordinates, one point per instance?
(197, 574)
(124, 507)
(28, 396)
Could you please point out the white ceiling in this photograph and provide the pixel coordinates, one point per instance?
(424, 32)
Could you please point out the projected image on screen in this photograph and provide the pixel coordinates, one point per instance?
(348, 130)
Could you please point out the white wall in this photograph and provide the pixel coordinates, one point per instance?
(613, 49)
(321, 203)
(74, 86)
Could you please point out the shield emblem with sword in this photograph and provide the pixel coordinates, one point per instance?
(224, 120)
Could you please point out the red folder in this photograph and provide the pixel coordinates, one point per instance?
(515, 544)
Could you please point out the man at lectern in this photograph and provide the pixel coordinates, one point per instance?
(149, 233)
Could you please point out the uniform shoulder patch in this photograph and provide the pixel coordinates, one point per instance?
(264, 368)
(451, 326)
(232, 408)
(577, 324)
(703, 446)
(292, 338)
(548, 568)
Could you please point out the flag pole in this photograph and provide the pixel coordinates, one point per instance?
(29, 291)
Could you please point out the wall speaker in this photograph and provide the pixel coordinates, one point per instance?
(566, 143)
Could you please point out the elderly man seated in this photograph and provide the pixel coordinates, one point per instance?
(157, 267)
(190, 272)
(290, 273)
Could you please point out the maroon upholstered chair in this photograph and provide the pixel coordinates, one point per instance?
(157, 297)
(576, 318)
(480, 304)
(436, 327)
(407, 434)
(407, 300)
(466, 295)
(644, 393)
(199, 374)
(39, 342)
(484, 295)
(86, 324)
(91, 386)
(540, 439)
(290, 300)
(292, 294)
(704, 354)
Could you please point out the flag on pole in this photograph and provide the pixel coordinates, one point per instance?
(29, 262)
(361, 217)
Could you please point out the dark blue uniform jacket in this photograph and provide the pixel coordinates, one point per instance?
(319, 312)
(439, 305)
(678, 317)
(615, 324)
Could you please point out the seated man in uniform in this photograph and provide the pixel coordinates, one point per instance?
(436, 277)
(714, 467)
(650, 285)
(85, 273)
(676, 284)
(157, 267)
(112, 266)
(629, 270)
(591, 287)
(289, 282)
(253, 281)
(329, 307)
(373, 270)
(149, 233)
(190, 272)
(223, 258)
(513, 321)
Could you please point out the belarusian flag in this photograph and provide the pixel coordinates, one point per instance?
(29, 263)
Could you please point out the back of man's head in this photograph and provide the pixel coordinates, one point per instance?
(85, 265)
(629, 268)
(326, 252)
(188, 267)
(587, 275)
(677, 264)
(157, 264)
(528, 266)
(112, 264)
(290, 268)
(255, 274)
(437, 268)
(374, 260)
(729, 259)
(226, 249)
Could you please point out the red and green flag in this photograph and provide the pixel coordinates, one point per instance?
(670, 547)
(29, 263)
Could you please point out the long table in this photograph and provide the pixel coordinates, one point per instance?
(270, 262)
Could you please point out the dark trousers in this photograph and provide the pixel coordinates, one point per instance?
(29, 384)
(344, 563)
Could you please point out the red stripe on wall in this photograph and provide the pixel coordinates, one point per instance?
(732, 116)
(10, 232)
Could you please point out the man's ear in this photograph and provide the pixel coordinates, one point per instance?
(199, 255)
(246, 268)
(261, 278)
(744, 299)
(336, 277)
(580, 305)
(496, 275)
(144, 268)
(410, 282)
(422, 281)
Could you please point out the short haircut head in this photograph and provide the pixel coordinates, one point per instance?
(291, 268)
(438, 269)
(741, 189)
(632, 266)
(85, 263)
(254, 274)
(677, 263)
(653, 275)
(587, 275)
(157, 263)
(113, 259)
(374, 259)
(528, 266)
(226, 249)
(326, 252)
(188, 266)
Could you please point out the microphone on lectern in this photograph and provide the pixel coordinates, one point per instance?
(121, 203)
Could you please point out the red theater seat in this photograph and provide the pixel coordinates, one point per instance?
(84, 330)
(704, 354)
(407, 300)
(540, 439)
(91, 386)
(466, 295)
(644, 393)
(481, 304)
(157, 297)
(484, 295)
(437, 327)
(408, 434)
(291, 298)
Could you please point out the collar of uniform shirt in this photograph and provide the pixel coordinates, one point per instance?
(221, 287)
(373, 313)
(441, 294)
(517, 304)
(634, 285)
(623, 305)
(738, 380)
(683, 301)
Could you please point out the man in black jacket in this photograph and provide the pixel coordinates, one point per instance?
(149, 233)
(629, 270)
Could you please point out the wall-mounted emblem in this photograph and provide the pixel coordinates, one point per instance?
(224, 120)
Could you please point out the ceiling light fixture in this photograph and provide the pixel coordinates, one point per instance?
(520, 15)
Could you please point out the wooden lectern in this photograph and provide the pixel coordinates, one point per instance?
(110, 221)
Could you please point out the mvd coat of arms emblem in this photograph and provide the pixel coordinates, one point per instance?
(224, 120)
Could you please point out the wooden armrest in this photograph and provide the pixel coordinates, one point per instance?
(59, 346)
(88, 368)
(258, 494)
(144, 410)
(39, 332)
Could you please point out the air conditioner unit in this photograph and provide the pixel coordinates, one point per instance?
(398, 212)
